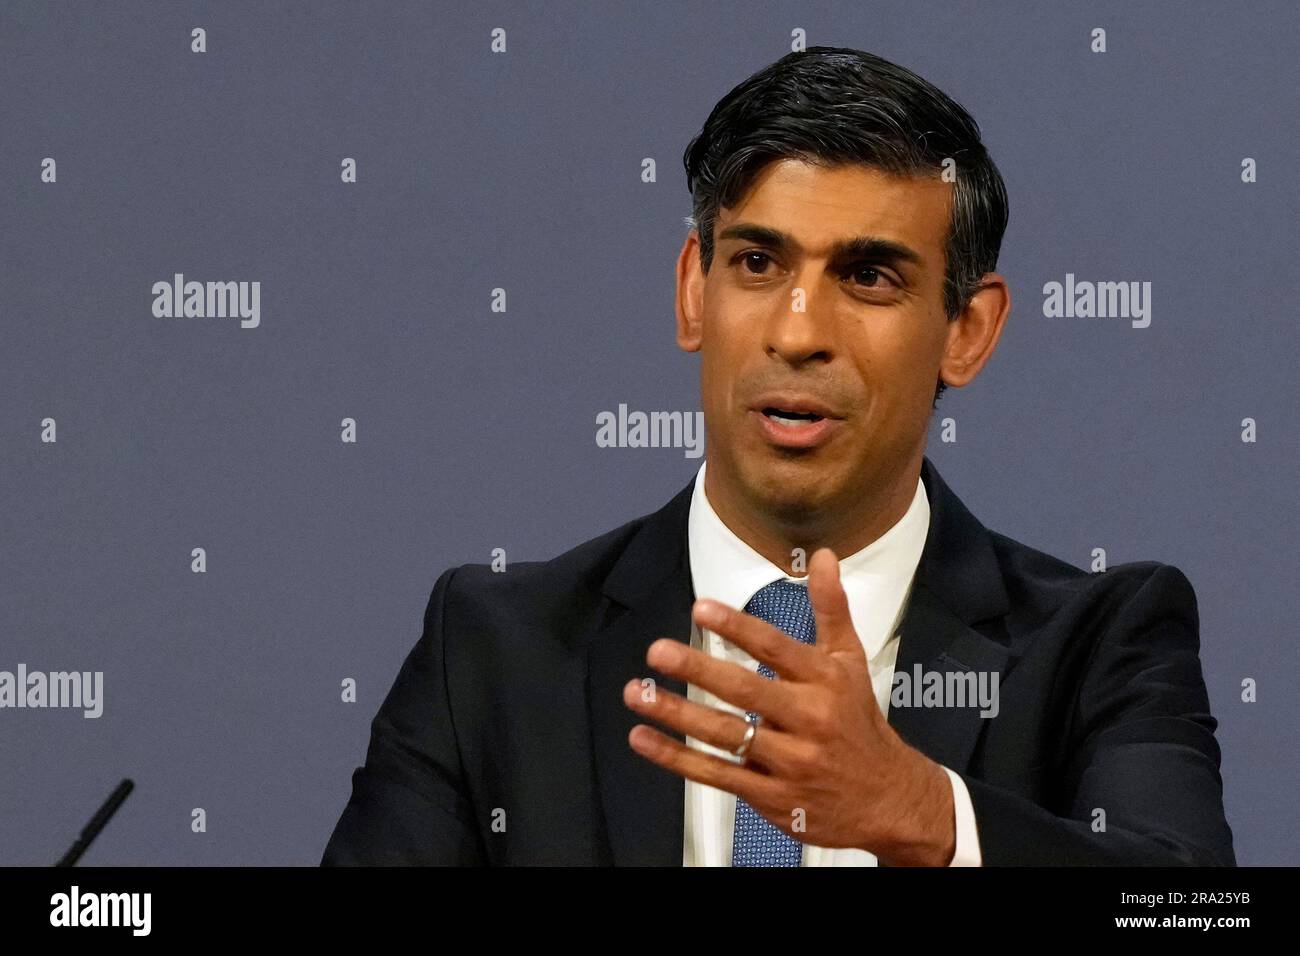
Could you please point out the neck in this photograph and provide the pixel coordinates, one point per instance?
(789, 542)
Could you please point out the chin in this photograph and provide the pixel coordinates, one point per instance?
(792, 490)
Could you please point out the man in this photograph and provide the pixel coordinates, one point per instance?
(869, 675)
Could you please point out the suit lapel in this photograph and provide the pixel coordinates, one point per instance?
(958, 583)
(650, 586)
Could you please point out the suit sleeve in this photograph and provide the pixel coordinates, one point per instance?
(1141, 755)
(408, 804)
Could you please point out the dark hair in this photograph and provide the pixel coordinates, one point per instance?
(832, 106)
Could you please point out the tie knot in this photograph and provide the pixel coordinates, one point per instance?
(785, 605)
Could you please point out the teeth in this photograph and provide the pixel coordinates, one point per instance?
(789, 421)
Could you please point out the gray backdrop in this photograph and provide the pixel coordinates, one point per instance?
(476, 429)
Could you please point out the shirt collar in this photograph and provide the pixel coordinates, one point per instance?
(876, 578)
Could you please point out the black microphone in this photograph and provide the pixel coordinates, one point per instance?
(101, 817)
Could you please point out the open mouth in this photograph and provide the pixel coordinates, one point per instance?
(788, 417)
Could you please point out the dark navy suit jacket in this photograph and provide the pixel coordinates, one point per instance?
(504, 738)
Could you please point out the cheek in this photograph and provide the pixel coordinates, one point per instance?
(722, 356)
(716, 386)
(910, 342)
(895, 365)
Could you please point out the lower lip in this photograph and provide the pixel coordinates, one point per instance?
(795, 436)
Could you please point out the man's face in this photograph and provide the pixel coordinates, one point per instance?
(788, 317)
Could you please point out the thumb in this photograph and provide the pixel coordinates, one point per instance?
(830, 604)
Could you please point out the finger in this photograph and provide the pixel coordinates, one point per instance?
(758, 790)
(775, 700)
(789, 658)
(771, 748)
(835, 631)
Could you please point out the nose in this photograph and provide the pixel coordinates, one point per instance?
(801, 331)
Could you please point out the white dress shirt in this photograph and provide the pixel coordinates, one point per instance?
(877, 580)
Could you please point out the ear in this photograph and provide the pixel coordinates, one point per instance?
(690, 295)
(974, 334)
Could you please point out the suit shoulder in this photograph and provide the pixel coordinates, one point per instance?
(1041, 582)
(558, 588)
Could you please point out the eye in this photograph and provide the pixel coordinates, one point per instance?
(749, 261)
(862, 269)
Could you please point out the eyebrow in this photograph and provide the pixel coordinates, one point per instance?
(874, 248)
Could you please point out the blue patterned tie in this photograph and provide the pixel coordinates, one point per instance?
(755, 841)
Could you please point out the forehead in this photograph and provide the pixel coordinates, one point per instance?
(819, 205)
